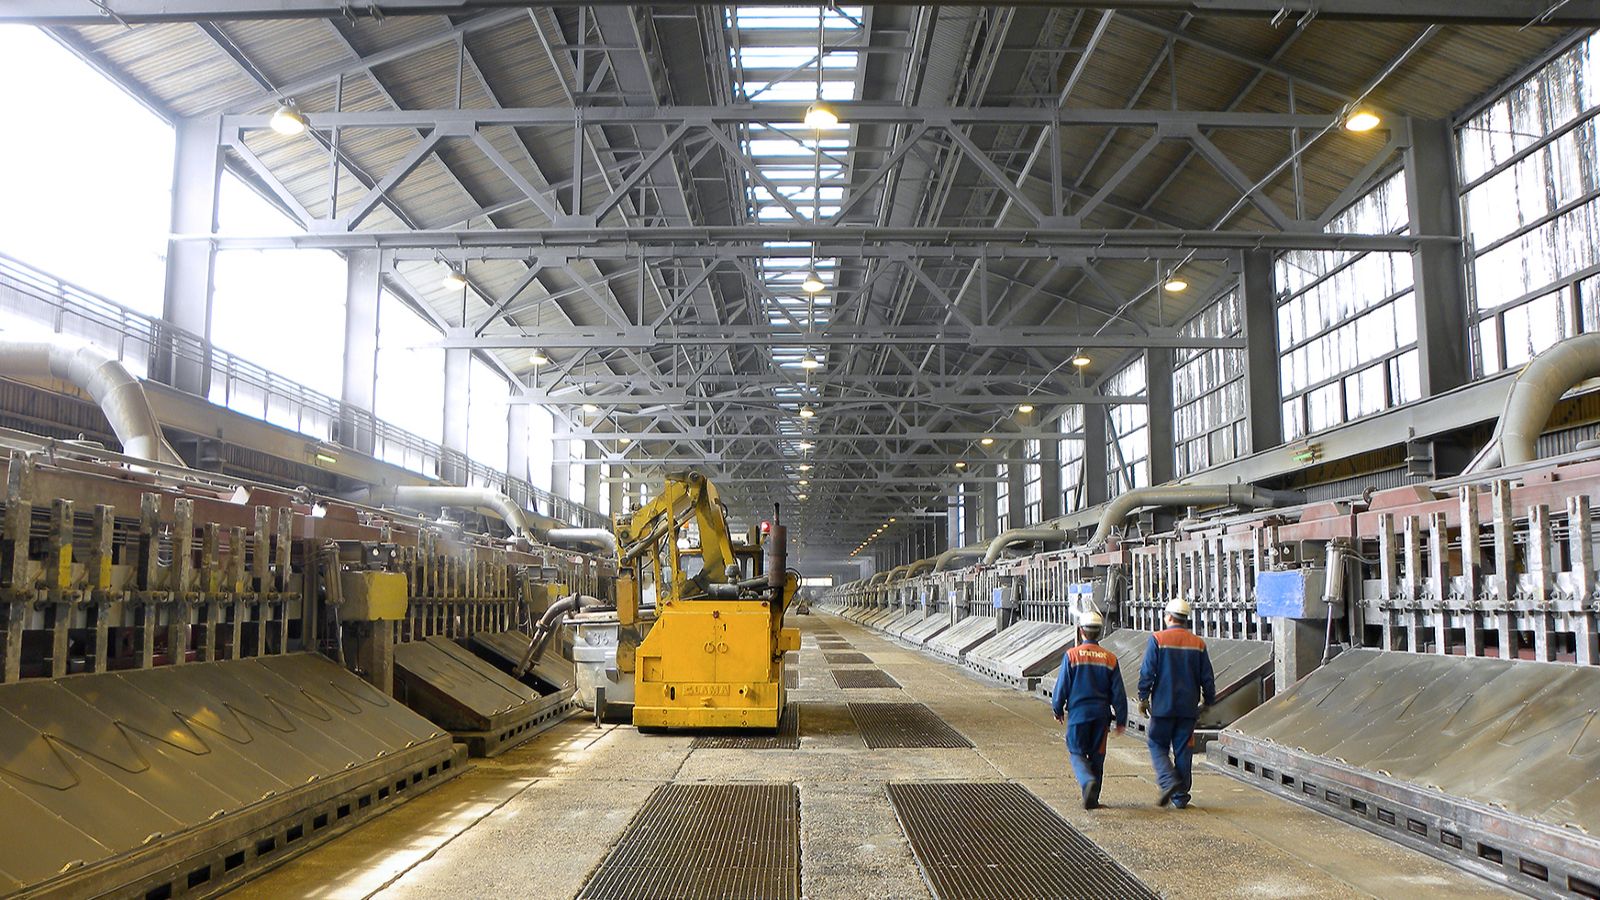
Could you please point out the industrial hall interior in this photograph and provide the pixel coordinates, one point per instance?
(1051, 451)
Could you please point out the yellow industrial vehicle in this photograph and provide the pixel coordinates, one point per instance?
(714, 656)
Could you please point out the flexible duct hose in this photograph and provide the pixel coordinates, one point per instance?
(1188, 495)
(120, 395)
(547, 625)
(1019, 536)
(598, 537)
(435, 496)
(948, 558)
(1533, 398)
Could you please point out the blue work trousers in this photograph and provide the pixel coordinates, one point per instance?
(1172, 753)
(1086, 743)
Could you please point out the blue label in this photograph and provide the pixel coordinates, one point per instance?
(1281, 594)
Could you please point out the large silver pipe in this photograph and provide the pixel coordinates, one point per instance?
(949, 558)
(878, 578)
(1533, 397)
(437, 496)
(120, 395)
(1188, 495)
(895, 574)
(1020, 536)
(599, 537)
(920, 566)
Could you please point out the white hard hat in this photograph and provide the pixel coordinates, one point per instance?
(1090, 619)
(1178, 607)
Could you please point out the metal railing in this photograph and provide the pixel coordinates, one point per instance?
(148, 346)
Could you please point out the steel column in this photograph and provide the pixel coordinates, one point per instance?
(1096, 446)
(363, 287)
(191, 265)
(1158, 380)
(1258, 307)
(457, 369)
(1433, 197)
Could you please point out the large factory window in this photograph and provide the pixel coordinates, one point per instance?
(280, 309)
(1347, 326)
(541, 447)
(1128, 431)
(1208, 391)
(85, 173)
(1530, 169)
(1002, 512)
(1072, 459)
(1032, 484)
(410, 388)
(576, 472)
(960, 499)
(488, 437)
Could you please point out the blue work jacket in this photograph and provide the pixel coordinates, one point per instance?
(1090, 686)
(1176, 674)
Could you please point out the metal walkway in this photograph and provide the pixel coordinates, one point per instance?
(995, 841)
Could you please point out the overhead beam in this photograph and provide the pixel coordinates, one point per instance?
(708, 242)
(644, 337)
(1500, 12)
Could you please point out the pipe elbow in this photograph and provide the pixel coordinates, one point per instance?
(1018, 536)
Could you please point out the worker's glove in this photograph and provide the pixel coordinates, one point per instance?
(1060, 717)
(1121, 729)
(1144, 708)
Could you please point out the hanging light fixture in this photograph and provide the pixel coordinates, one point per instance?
(538, 358)
(590, 408)
(1025, 408)
(812, 283)
(807, 412)
(288, 120)
(1176, 284)
(961, 464)
(987, 442)
(805, 445)
(1080, 360)
(1362, 120)
(805, 467)
(820, 115)
(454, 280)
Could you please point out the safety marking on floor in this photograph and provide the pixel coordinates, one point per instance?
(904, 725)
(863, 678)
(977, 841)
(787, 737)
(703, 841)
(846, 659)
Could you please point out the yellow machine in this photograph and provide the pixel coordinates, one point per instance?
(714, 657)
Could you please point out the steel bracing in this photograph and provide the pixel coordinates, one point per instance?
(632, 197)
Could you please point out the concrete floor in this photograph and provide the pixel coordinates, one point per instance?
(537, 821)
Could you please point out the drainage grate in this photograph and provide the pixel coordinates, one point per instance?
(863, 678)
(696, 841)
(999, 840)
(904, 725)
(845, 659)
(787, 737)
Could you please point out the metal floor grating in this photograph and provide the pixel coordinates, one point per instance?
(845, 659)
(863, 678)
(913, 725)
(787, 737)
(693, 841)
(984, 841)
(791, 678)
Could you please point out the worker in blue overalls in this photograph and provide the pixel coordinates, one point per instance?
(1175, 686)
(1088, 695)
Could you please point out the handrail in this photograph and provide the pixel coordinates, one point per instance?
(134, 339)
